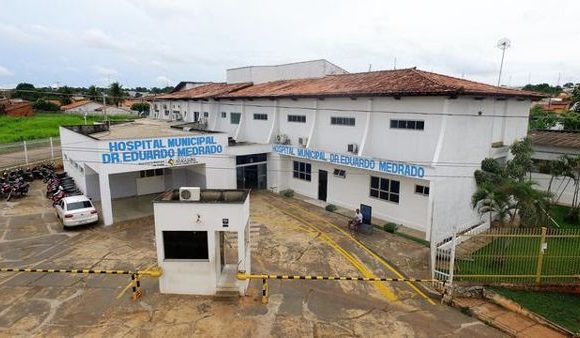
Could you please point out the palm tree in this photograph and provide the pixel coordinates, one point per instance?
(116, 93)
(489, 199)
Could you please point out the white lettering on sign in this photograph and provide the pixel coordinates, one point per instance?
(162, 151)
(390, 167)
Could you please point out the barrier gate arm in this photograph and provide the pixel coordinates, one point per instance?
(266, 289)
(135, 284)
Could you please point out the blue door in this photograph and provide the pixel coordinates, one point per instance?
(367, 213)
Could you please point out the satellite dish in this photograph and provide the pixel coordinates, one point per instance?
(504, 43)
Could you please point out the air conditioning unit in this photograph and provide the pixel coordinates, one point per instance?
(352, 148)
(282, 139)
(189, 194)
(303, 141)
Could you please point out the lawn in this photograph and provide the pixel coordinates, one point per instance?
(558, 212)
(560, 308)
(41, 125)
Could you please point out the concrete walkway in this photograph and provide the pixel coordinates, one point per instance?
(510, 322)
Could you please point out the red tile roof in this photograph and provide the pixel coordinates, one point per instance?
(556, 138)
(75, 105)
(402, 82)
(204, 91)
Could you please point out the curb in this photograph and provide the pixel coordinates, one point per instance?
(512, 306)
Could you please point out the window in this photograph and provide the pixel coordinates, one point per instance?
(297, 118)
(302, 170)
(385, 189)
(340, 173)
(422, 190)
(235, 118)
(166, 112)
(78, 205)
(408, 124)
(224, 115)
(185, 245)
(151, 173)
(205, 114)
(342, 121)
(260, 116)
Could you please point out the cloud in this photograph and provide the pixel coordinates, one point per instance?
(5, 72)
(105, 71)
(96, 38)
(15, 34)
(164, 80)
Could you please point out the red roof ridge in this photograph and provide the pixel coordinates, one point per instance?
(426, 75)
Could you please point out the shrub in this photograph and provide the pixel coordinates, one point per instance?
(287, 193)
(43, 105)
(331, 207)
(390, 227)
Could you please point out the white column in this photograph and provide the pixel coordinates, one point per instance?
(106, 204)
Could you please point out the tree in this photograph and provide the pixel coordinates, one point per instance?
(508, 191)
(543, 88)
(489, 199)
(65, 95)
(568, 85)
(575, 97)
(26, 91)
(521, 164)
(541, 119)
(93, 94)
(140, 107)
(116, 94)
(43, 105)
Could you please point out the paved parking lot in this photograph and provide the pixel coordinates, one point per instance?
(288, 237)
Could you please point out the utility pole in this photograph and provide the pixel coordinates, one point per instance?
(502, 44)
(104, 107)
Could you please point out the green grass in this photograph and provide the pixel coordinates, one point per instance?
(519, 256)
(40, 125)
(560, 308)
(559, 212)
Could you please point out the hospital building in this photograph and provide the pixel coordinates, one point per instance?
(402, 144)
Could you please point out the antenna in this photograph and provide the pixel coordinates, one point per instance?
(503, 44)
(395, 63)
(370, 66)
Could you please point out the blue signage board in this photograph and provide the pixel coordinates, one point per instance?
(161, 151)
(389, 167)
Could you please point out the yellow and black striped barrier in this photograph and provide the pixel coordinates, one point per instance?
(265, 278)
(242, 276)
(135, 283)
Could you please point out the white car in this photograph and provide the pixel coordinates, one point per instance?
(76, 210)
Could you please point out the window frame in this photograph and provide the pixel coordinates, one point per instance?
(406, 124)
(384, 189)
(296, 118)
(341, 173)
(422, 190)
(237, 115)
(260, 117)
(302, 171)
(343, 121)
(224, 115)
(182, 236)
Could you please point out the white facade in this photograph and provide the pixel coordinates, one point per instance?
(213, 273)
(458, 133)
(298, 70)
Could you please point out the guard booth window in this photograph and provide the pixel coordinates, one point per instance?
(185, 245)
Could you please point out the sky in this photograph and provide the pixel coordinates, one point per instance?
(159, 43)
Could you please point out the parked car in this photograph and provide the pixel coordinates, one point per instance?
(76, 210)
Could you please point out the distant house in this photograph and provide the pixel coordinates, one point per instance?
(551, 145)
(112, 110)
(556, 105)
(15, 107)
(94, 108)
(81, 107)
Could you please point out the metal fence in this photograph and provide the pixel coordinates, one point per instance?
(510, 255)
(29, 152)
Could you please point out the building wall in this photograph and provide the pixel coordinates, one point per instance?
(199, 277)
(18, 109)
(90, 107)
(299, 70)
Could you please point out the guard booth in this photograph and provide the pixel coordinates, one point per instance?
(202, 238)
